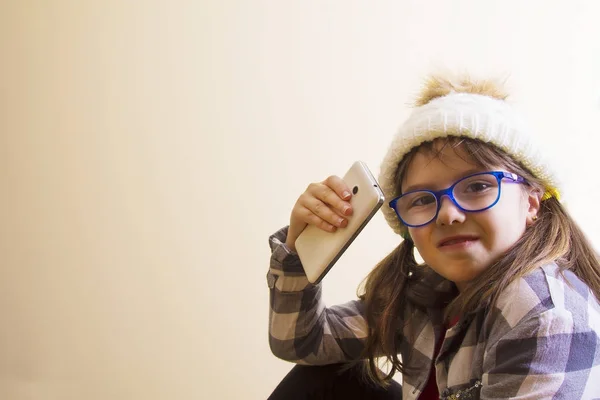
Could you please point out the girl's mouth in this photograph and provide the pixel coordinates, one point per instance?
(457, 241)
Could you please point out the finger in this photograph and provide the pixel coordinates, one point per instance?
(317, 221)
(338, 185)
(323, 211)
(329, 196)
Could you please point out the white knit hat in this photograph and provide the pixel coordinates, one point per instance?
(468, 115)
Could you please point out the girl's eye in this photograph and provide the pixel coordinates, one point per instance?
(478, 187)
(423, 201)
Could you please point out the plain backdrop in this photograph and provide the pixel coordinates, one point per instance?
(148, 149)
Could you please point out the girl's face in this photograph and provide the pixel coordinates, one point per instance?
(482, 237)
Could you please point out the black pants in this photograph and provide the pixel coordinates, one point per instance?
(329, 383)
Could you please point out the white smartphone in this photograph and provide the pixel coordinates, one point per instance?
(318, 249)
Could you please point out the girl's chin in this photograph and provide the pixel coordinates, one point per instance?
(461, 275)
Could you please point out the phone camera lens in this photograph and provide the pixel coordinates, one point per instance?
(355, 189)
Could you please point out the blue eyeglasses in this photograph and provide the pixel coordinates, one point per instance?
(473, 193)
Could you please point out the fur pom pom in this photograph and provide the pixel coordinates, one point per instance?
(437, 86)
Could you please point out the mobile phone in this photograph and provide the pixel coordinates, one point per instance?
(319, 250)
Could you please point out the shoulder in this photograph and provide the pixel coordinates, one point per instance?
(542, 338)
(547, 301)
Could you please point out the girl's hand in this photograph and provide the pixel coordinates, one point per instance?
(324, 204)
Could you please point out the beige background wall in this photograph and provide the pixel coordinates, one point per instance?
(148, 149)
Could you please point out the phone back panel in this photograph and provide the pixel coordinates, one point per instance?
(319, 250)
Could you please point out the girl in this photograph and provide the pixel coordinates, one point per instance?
(505, 304)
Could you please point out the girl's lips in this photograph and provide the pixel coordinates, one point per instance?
(457, 246)
(457, 241)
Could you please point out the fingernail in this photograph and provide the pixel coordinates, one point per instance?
(345, 195)
(340, 222)
(346, 209)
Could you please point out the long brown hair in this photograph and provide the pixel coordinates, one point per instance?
(387, 290)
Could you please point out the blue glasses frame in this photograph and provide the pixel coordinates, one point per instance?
(448, 192)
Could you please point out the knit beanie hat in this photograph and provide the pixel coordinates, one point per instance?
(465, 108)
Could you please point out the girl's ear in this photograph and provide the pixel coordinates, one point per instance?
(534, 199)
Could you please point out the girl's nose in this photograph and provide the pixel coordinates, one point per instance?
(449, 212)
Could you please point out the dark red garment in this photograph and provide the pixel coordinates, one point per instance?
(431, 391)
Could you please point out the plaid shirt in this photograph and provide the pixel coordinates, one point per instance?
(540, 341)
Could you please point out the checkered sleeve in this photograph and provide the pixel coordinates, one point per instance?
(531, 362)
(547, 351)
(301, 328)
